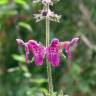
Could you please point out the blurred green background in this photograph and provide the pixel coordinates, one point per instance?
(20, 79)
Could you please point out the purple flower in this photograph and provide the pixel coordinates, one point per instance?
(37, 50)
(52, 52)
(21, 42)
(67, 45)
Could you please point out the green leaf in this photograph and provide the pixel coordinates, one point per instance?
(39, 81)
(21, 2)
(19, 58)
(63, 56)
(25, 25)
(2, 2)
(44, 91)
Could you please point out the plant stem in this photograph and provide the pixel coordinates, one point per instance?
(49, 73)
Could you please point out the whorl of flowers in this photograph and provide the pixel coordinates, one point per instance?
(46, 13)
(52, 52)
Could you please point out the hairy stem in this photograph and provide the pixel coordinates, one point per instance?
(49, 73)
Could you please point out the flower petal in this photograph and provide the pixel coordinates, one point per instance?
(74, 41)
(38, 51)
(27, 53)
(19, 41)
(67, 44)
(52, 53)
(69, 55)
(39, 55)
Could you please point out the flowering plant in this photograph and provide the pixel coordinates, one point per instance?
(53, 49)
